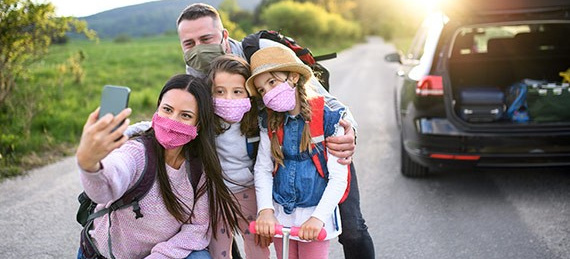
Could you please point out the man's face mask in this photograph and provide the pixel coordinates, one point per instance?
(200, 56)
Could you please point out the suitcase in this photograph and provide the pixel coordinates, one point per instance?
(485, 104)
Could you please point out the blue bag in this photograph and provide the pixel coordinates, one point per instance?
(517, 110)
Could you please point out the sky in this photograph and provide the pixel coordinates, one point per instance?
(80, 8)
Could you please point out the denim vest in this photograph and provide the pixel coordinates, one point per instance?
(298, 184)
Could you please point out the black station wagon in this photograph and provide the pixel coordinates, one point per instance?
(486, 85)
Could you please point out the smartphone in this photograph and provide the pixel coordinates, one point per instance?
(114, 99)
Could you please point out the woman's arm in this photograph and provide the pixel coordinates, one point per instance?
(99, 138)
(105, 171)
(120, 169)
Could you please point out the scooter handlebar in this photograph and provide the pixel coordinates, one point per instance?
(294, 231)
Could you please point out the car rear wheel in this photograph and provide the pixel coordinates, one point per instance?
(409, 168)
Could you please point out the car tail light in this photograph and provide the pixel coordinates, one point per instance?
(455, 157)
(430, 86)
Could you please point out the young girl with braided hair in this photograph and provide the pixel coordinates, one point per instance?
(306, 183)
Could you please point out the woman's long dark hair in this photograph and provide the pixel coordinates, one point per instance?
(221, 202)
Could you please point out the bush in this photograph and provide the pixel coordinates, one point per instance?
(123, 38)
(309, 22)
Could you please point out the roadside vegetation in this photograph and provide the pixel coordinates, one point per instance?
(58, 85)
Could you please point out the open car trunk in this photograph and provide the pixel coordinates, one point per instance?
(513, 73)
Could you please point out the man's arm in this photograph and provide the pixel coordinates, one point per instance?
(332, 101)
(344, 146)
(138, 128)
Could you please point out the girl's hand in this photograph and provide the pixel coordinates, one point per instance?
(343, 147)
(98, 138)
(310, 229)
(265, 223)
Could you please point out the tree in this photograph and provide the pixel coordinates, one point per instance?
(229, 6)
(233, 29)
(309, 22)
(26, 32)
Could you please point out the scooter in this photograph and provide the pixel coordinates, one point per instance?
(286, 232)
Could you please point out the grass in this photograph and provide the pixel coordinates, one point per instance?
(44, 117)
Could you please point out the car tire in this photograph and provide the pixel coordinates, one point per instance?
(409, 168)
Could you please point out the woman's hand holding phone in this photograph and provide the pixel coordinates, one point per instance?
(100, 137)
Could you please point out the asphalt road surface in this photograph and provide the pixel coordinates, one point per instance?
(481, 214)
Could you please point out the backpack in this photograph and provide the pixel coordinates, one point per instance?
(250, 45)
(86, 213)
(517, 110)
(252, 145)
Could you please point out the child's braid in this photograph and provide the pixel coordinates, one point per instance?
(306, 114)
(275, 119)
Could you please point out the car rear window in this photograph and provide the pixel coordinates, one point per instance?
(499, 40)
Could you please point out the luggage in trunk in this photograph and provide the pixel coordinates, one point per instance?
(481, 104)
(549, 102)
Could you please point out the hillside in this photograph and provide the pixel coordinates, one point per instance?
(146, 19)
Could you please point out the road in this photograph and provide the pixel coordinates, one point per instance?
(482, 214)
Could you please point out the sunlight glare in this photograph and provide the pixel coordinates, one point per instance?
(427, 5)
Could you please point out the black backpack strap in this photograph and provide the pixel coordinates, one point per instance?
(86, 208)
(195, 170)
(86, 245)
(140, 188)
(325, 56)
(147, 179)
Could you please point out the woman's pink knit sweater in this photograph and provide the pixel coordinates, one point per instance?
(157, 234)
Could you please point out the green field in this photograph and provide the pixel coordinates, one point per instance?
(46, 113)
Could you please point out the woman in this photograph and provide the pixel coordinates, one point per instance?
(177, 219)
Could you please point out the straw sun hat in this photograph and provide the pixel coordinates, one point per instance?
(273, 59)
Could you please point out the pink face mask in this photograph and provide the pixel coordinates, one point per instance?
(172, 134)
(231, 110)
(281, 98)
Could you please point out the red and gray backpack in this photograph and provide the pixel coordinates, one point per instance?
(250, 45)
(318, 146)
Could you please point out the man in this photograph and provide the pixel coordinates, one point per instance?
(202, 38)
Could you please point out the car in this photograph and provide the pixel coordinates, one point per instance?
(485, 84)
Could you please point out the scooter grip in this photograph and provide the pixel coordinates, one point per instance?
(278, 228)
(252, 227)
(322, 235)
(294, 231)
